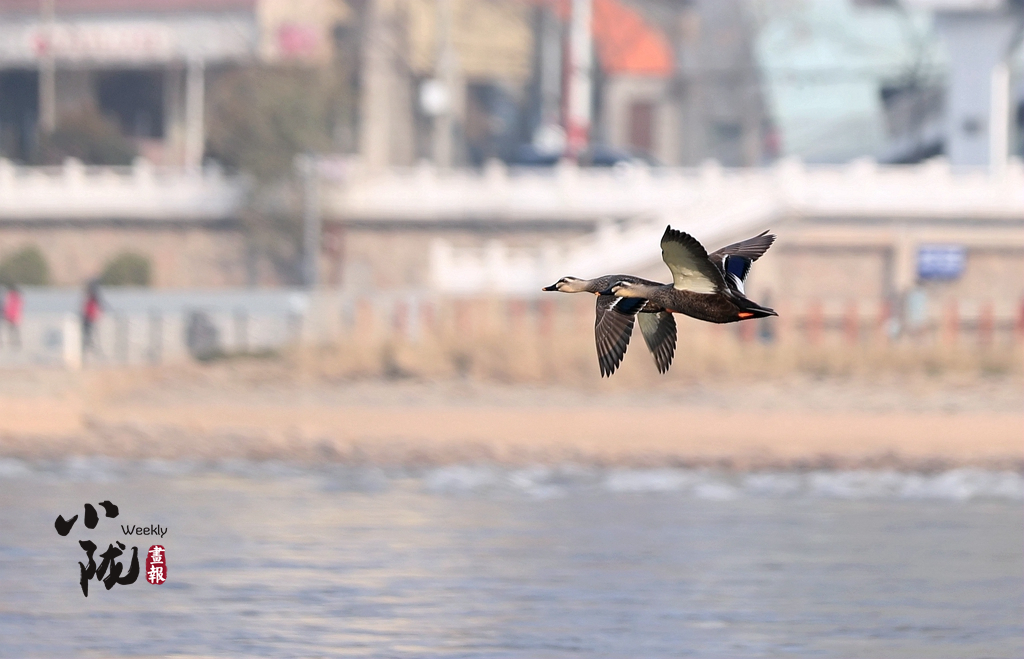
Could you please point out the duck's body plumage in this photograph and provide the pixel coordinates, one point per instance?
(706, 287)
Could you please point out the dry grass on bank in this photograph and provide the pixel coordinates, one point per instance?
(569, 358)
(552, 341)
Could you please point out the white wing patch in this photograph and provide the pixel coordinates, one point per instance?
(736, 281)
(686, 268)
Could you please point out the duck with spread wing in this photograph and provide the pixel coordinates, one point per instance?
(706, 287)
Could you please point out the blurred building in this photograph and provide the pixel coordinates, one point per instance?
(457, 81)
(983, 97)
(145, 65)
(722, 113)
(442, 80)
(467, 83)
(900, 81)
(114, 79)
(860, 234)
(830, 65)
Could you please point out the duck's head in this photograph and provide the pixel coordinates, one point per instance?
(624, 289)
(568, 285)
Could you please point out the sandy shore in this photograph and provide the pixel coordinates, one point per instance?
(230, 412)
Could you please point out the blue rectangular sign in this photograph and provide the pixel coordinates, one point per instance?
(940, 261)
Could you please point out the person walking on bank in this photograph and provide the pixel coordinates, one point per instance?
(90, 314)
(13, 304)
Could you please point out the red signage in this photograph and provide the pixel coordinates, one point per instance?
(104, 41)
(156, 565)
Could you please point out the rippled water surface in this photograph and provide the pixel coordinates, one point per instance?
(276, 560)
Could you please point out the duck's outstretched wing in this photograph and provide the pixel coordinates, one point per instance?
(751, 248)
(689, 263)
(612, 329)
(659, 330)
(734, 260)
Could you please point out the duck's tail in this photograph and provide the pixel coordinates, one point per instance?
(750, 309)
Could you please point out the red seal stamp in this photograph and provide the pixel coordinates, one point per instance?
(156, 564)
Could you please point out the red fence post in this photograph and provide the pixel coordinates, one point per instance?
(462, 319)
(427, 317)
(952, 322)
(884, 318)
(814, 322)
(364, 316)
(547, 317)
(1020, 320)
(851, 323)
(400, 320)
(516, 312)
(986, 324)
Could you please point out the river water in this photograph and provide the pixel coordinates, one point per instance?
(270, 559)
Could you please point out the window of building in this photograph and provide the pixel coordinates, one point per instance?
(728, 143)
(135, 99)
(19, 94)
(641, 126)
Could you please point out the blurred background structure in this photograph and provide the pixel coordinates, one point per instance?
(270, 278)
(255, 172)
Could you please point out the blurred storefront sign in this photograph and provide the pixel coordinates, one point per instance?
(299, 40)
(940, 262)
(105, 41)
(126, 41)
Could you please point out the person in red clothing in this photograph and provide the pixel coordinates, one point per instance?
(12, 314)
(90, 314)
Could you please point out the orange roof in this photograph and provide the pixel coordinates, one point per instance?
(626, 43)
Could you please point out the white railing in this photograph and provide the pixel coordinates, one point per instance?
(631, 206)
(77, 192)
(567, 193)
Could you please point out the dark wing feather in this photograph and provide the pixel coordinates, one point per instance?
(612, 330)
(735, 260)
(736, 269)
(751, 248)
(659, 330)
(738, 266)
(688, 261)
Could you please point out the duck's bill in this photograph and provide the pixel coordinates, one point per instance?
(552, 287)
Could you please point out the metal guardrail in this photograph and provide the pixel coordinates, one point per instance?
(143, 326)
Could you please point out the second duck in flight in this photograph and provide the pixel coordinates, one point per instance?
(706, 287)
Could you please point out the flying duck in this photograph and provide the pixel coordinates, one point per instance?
(613, 326)
(706, 287)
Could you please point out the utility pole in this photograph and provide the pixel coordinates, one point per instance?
(312, 222)
(999, 119)
(549, 133)
(445, 72)
(47, 71)
(195, 134)
(374, 145)
(580, 56)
